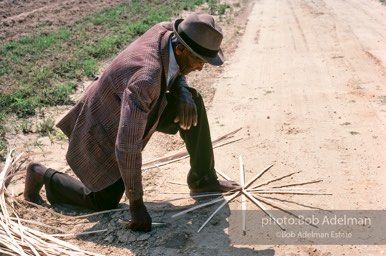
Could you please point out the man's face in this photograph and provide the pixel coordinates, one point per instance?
(188, 61)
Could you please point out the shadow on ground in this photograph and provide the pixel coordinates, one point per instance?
(178, 236)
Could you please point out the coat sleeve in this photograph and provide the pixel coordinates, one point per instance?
(137, 101)
(181, 89)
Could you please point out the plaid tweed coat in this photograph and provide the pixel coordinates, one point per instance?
(111, 124)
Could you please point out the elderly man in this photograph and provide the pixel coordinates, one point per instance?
(143, 90)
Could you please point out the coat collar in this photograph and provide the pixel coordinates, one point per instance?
(164, 49)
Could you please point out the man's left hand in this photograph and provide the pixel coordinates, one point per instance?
(186, 115)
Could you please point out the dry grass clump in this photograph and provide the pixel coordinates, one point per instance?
(18, 239)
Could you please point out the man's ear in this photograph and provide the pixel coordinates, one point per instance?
(180, 49)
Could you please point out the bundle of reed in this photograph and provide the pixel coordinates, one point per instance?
(18, 239)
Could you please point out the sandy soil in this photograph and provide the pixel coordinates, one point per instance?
(307, 85)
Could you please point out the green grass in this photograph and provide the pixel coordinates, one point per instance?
(43, 69)
(382, 99)
(26, 126)
(221, 8)
(217, 9)
(46, 127)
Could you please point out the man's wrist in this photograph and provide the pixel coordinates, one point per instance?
(185, 97)
(136, 203)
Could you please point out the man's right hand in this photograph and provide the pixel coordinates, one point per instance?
(186, 115)
(140, 218)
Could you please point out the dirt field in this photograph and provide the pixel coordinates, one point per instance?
(306, 83)
(19, 17)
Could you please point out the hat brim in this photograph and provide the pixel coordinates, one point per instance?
(218, 60)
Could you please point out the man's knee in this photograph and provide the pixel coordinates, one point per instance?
(109, 198)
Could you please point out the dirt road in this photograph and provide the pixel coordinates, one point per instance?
(308, 85)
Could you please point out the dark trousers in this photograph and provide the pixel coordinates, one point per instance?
(61, 188)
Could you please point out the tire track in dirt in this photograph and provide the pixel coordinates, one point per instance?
(298, 24)
(369, 32)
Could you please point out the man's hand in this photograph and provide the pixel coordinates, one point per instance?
(186, 115)
(140, 218)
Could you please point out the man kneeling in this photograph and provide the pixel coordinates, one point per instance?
(142, 91)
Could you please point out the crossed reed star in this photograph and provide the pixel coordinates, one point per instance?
(254, 194)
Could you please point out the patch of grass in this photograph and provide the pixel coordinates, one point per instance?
(31, 47)
(57, 136)
(212, 6)
(104, 47)
(37, 143)
(382, 98)
(26, 126)
(217, 9)
(22, 106)
(24, 102)
(46, 127)
(90, 67)
(3, 129)
(69, 69)
(58, 95)
(222, 8)
(3, 149)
